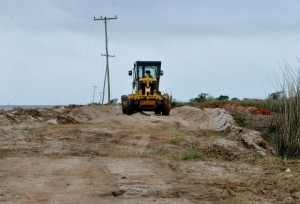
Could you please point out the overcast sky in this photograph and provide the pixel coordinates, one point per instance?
(51, 50)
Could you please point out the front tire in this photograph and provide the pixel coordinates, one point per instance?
(157, 112)
(123, 100)
(124, 111)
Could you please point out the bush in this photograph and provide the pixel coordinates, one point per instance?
(240, 118)
(223, 98)
(288, 118)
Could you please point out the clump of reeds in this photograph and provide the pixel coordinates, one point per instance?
(288, 117)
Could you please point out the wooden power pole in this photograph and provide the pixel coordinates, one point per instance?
(105, 19)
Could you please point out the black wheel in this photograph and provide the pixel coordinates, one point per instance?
(129, 107)
(124, 109)
(158, 108)
(123, 100)
(166, 108)
(157, 112)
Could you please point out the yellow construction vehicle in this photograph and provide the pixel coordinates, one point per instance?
(147, 97)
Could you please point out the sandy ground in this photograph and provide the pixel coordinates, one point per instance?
(95, 154)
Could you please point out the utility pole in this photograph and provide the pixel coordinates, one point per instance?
(94, 93)
(105, 19)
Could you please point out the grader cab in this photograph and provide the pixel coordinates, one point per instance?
(146, 97)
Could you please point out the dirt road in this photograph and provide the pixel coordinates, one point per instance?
(95, 154)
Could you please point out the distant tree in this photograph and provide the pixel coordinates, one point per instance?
(276, 95)
(223, 98)
(235, 99)
(200, 98)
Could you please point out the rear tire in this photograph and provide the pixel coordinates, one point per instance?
(166, 108)
(129, 107)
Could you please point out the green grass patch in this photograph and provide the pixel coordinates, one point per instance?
(192, 154)
(177, 137)
(177, 104)
(174, 141)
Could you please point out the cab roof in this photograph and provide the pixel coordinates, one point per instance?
(148, 63)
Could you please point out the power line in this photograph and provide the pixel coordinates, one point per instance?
(93, 38)
(85, 8)
(105, 19)
(67, 10)
(71, 11)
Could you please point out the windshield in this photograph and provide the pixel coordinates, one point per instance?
(143, 69)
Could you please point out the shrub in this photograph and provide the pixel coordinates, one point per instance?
(223, 98)
(288, 118)
(240, 118)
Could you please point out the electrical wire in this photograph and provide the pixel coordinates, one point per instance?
(93, 39)
(85, 8)
(70, 12)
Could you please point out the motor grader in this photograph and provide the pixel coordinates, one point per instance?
(146, 95)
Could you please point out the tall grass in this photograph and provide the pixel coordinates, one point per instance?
(288, 117)
(271, 105)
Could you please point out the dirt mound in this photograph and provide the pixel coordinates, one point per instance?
(62, 119)
(32, 112)
(237, 143)
(211, 119)
(225, 149)
(93, 113)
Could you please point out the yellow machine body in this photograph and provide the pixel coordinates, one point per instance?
(146, 76)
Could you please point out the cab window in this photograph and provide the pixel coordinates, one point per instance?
(142, 71)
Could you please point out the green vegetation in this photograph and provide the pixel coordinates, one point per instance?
(177, 138)
(288, 119)
(175, 103)
(270, 104)
(201, 98)
(240, 118)
(192, 154)
(174, 141)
